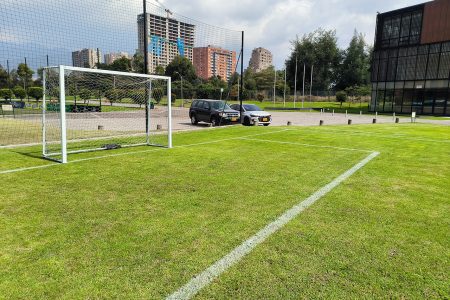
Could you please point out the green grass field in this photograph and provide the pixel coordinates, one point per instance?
(139, 223)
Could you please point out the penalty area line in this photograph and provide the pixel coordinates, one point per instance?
(206, 277)
(135, 152)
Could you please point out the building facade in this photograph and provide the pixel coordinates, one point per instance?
(261, 59)
(168, 38)
(86, 58)
(214, 61)
(111, 57)
(411, 60)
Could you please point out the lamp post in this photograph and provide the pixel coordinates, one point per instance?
(182, 97)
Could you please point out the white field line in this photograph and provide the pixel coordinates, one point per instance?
(307, 145)
(206, 277)
(134, 152)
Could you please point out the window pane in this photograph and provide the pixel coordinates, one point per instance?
(433, 62)
(444, 66)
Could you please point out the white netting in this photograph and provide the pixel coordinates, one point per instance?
(103, 110)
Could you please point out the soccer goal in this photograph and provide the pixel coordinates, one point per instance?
(88, 110)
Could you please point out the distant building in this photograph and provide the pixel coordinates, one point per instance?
(261, 59)
(214, 61)
(411, 60)
(86, 58)
(168, 38)
(111, 57)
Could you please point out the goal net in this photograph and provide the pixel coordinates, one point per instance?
(88, 110)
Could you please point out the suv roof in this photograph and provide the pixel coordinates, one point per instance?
(209, 100)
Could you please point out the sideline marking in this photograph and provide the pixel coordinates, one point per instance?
(211, 273)
(134, 152)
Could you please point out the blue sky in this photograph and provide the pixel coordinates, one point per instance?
(34, 28)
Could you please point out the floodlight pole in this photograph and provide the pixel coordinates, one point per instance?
(310, 88)
(285, 79)
(304, 74)
(242, 77)
(274, 86)
(295, 80)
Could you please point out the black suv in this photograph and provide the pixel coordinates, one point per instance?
(216, 112)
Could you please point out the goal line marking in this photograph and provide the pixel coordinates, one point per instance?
(215, 270)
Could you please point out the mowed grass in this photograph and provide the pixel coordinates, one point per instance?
(141, 225)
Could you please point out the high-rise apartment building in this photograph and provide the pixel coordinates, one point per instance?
(411, 60)
(261, 59)
(111, 57)
(86, 58)
(167, 39)
(214, 61)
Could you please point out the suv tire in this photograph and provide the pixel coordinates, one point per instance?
(194, 120)
(246, 121)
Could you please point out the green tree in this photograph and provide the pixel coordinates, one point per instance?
(36, 92)
(138, 97)
(113, 95)
(159, 70)
(341, 97)
(19, 92)
(138, 63)
(25, 74)
(3, 78)
(6, 94)
(122, 64)
(85, 94)
(182, 66)
(355, 67)
(319, 52)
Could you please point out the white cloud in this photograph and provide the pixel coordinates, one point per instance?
(274, 23)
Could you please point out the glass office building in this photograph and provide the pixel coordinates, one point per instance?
(411, 60)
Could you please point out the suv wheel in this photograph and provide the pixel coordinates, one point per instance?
(247, 121)
(194, 120)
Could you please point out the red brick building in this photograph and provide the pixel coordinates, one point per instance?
(214, 61)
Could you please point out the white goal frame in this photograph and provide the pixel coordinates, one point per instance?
(62, 102)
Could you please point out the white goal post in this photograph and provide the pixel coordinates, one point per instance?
(89, 109)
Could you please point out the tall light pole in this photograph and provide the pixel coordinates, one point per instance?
(310, 88)
(274, 86)
(304, 74)
(182, 97)
(284, 94)
(295, 81)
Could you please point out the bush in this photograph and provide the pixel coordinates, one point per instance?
(36, 92)
(260, 97)
(157, 94)
(6, 94)
(20, 92)
(341, 97)
(174, 98)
